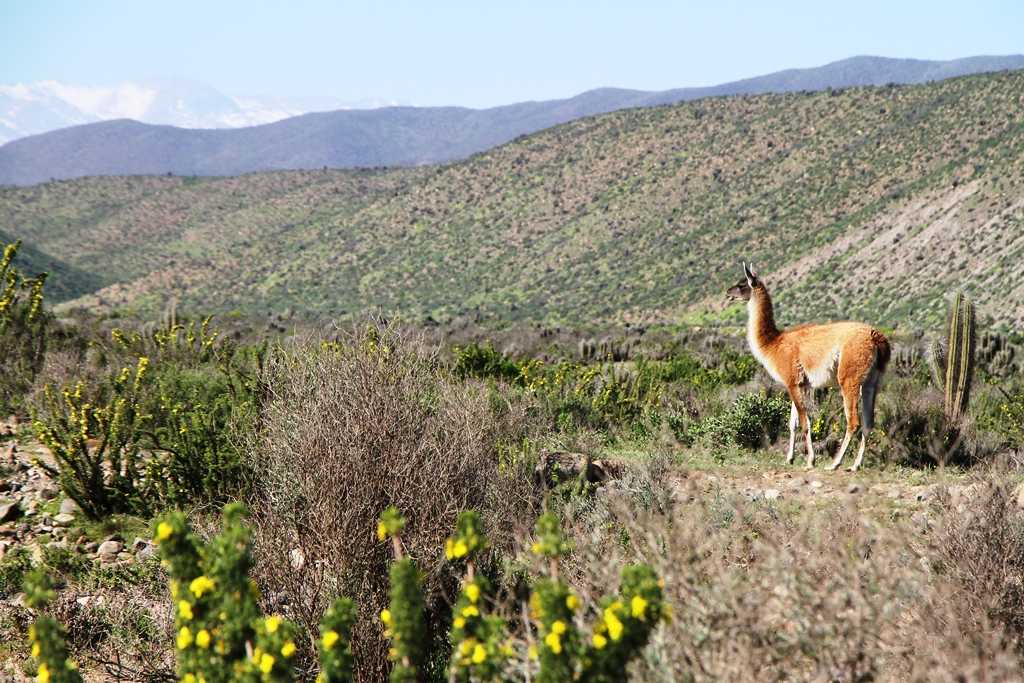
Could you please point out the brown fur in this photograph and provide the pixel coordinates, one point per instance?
(852, 354)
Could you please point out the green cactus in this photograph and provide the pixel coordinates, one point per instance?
(905, 359)
(953, 366)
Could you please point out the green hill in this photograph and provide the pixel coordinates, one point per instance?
(867, 202)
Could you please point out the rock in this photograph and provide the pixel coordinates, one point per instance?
(10, 511)
(772, 494)
(854, 488)
(63, 519)
(815, 484)
(47, 492)
(83, 601)
(91, 546)
(108, 550)
(145, 554)
(69, 507)
(557, 467)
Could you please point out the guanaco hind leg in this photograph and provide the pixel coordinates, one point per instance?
(851, 392)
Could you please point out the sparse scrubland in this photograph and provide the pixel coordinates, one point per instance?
(196, 500)
(559, 461)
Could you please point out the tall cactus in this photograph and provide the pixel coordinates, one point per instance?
(953, 366)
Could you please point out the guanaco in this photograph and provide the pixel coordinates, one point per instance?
(851, 354)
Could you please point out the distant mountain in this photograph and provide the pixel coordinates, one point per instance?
(870, 203)
(48, 105)
(400, 136)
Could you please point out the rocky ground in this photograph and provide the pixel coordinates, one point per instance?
(34, 514)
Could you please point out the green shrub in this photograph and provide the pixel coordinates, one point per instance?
(484, 361)
(23, 326)
(161, 434)
(753, 420)
(13, 566)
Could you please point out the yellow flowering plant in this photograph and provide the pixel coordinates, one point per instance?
(94, 437)
(46, 637)
(23, 329)
(624, 625)
(480, 642)
(335, 643)
(404, 621)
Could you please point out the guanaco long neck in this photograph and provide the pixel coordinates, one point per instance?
(761, 329)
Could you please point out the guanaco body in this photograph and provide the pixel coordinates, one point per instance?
(851, 354)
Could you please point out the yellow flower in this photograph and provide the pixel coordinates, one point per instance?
(382, 531)
(553, 641)
(272, 623)
(572, 602)
(531, 652)
(470, 611)
(185, 610)
(163, 531)
(535, 548)
(558, 627)
(392, 653)
(459, 622)
(188, 678)
(449, 549)
(613, 624)
(35, 650)
(479, 654)
(637, 606)
(473, 592)
(266, 663)
(330, 638)
(203, 638)
(44, 673)
(599, 641)
(288, 649)
(200, 585)
(184, 638)
(385, 616)
(465, 646)
(460, 548)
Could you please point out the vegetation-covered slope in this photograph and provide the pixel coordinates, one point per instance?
(868, 203)
(403, 136)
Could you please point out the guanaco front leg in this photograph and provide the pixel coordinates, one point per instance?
(796, 396)
(794, 420)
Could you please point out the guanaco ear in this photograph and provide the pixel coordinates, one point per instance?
(749, 273)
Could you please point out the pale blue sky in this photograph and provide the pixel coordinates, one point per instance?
(478, 53)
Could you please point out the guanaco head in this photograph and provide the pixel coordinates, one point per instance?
(742, 290)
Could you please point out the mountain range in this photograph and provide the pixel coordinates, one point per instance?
(393, 136)
(33, 108)
(870, 203)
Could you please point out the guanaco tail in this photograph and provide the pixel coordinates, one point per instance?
(851, 354)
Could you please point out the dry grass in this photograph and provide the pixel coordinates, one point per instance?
(770, 593)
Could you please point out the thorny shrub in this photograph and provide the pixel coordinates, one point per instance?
(365, 422)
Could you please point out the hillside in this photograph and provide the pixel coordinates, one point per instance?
(869, 203)
(395, 136)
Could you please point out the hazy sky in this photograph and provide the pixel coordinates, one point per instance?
(479, 52)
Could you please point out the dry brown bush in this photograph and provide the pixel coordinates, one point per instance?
(354, 426)
(771, 593)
